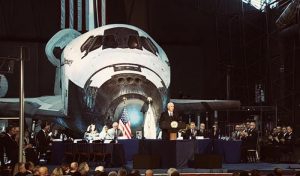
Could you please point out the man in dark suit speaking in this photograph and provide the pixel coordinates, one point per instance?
(168, 116)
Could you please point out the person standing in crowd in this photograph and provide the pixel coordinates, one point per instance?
(168, 116)
(249, 141)
(236, 133)
(10, 146)
(43, 141)
(290, 139)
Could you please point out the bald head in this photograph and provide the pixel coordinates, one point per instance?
(115, 125)
(149, 172)
(74, 166)
(43, 171)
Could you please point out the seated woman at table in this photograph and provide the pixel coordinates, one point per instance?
(104, 133)
(91, 128)
(91, 132)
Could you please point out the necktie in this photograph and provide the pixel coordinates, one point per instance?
(171, 114)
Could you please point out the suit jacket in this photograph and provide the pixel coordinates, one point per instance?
(190, 135)
(166, 118)
(112, 133)
(290, 139)
(43, 141)
(213, 135)
(235, 135)
(11, 148)
(251, 139)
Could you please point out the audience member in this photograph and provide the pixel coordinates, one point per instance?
(278, 172)
(175, 173)
(36, 170)
(66, 168)
(255, 172)
(170, 171)
(43, 171)
(112, 173)
(29, 166)
(122, 172)
(84, 169)
(235, 174)
(20, 170)
(100, 168)
(149, 172)
(57, 172)
(135, 172)
(74, 169)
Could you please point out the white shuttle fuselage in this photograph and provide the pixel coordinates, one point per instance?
(108, 64)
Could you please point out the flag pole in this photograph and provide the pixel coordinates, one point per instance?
(124, 101)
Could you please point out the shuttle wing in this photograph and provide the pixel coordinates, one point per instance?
(45, 105)
(205, 105)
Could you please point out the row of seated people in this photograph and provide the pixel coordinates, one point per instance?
(106, 133)
(191, 132)
(77, 169)
(84, 169)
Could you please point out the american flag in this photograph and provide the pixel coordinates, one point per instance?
(124, 124)
(81, 15)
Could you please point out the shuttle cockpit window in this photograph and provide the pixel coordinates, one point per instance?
(87, 44)
(97, 43)
(133, 42)
(92, 43)
(148, 45)
(109, 41)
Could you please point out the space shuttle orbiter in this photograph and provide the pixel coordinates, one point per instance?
(96, 71)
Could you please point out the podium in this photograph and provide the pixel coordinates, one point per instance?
(172, 127)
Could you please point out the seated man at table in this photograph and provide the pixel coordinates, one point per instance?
(114, 132)
(202, 131)
(192, 132)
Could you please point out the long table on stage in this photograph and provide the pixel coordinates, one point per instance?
(115, 150)
(175, 153)
(178, 153)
